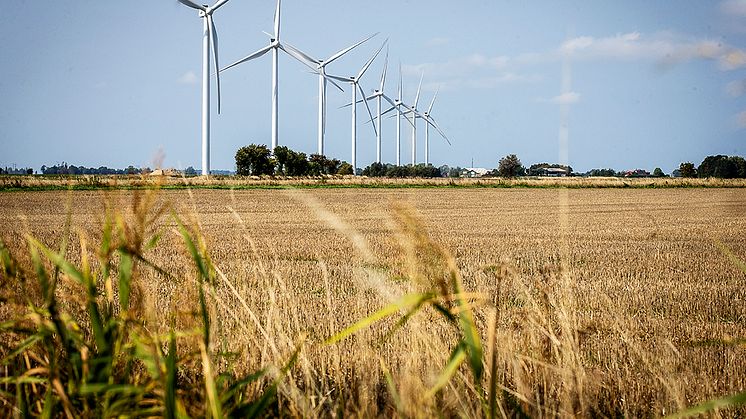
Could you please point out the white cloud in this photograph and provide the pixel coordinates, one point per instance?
(567, 98)
(734, 7)
(188, 78)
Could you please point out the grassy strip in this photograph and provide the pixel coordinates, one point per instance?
(403, 184)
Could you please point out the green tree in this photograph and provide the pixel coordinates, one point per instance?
(740, 163)
(375, 170)
(297, 164)
(253, 160)
(345, 169)
(510, 166)
(687, 169)
(658, 172)
(282, 155)
(719, 166)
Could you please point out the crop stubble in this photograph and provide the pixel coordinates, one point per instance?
(653, 303)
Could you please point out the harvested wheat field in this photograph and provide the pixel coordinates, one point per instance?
(507, 302)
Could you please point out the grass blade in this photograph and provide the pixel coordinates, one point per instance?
(404, 303)
(711, 405)
(458, 356)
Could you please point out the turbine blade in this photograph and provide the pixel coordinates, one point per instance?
(249, 57)
(419, 88)
(388, 99)
(334, 83)
(350, 104)
(218, 5)
(388, 110)
(342, 79)
(385, 68)
(301, 56)
(373, 58)
(434, 124)
(193, 5)
(348, 49)
(432, 102)
(214, 44)
(277, 21)
(400, 82)
(367, 107)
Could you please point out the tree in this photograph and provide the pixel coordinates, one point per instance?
(687, 169)
(253, 160)
(510, 166)
(718, 166)
(282, 155)
(375, 170)
(344, 169)
(602, 172)
(658, 172)
(740, 163)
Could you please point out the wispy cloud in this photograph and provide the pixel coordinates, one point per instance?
(475, 71)
(741, 120)
(567, 98)
(734, 7)
(736, 88)
(188, 78)
(481, 83)
(664, 48)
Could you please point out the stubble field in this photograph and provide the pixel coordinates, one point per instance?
(588, 301)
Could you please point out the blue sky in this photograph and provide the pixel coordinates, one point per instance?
(95, 82)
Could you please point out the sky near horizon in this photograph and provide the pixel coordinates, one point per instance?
(642, 84)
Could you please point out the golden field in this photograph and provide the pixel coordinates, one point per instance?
(589, 302)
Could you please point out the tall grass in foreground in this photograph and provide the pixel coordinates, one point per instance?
(96, 351)
(108, 362)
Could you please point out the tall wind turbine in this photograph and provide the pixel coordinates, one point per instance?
(355, 84)
(275, 46)
(209, 43)
(319, 67)
(397, 105)
(379, 95)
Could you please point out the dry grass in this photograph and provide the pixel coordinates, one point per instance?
(589, 302)
(91, 182)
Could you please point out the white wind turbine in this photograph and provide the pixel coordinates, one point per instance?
(319, 67)
(355, 84)
(429, 121)
(209, 42)
(397, 105)
(275, 46)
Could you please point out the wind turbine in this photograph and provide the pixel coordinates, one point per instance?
(429, 121)
(209, 42)
(355, 84)
(319, 67)
(396, 104)
(275, 46)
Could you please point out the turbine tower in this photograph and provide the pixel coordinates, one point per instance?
(355, 84)
(275, 45)
(319, 67)
(415, 112)
(209, 44)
